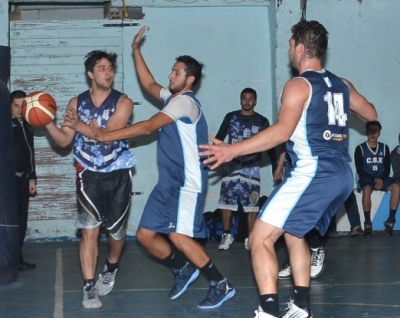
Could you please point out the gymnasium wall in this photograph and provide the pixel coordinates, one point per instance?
(242, 43)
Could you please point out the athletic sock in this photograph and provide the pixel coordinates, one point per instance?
(302, 296)
(313, 242)
(211, 272)
(89, 282)
(111, 266)
(392, 215)
(227, 232)
(367, 216)
(270, 305)
(174, 260)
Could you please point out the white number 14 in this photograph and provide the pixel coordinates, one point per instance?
(336, 114)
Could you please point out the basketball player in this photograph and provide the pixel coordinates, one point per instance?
(313, 121)
(25, 169)
(241, 181)
(102, 170)
(175, 206)
(372, 160)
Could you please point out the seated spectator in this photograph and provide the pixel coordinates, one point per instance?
(372, 160)
(395, 158)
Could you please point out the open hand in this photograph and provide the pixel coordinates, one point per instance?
(138, 37)
(98, 132)
(217, 153)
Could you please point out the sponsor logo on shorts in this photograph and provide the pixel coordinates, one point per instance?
(171, 225)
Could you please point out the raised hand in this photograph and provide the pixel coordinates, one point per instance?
(138, 38)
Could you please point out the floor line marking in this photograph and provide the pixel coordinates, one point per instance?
(58, 299)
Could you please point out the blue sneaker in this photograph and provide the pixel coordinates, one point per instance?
(218, 293)
(183, 278)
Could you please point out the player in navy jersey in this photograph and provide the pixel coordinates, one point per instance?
(313, 121)
(175, 206)
(103, 172)
(240, 184)
(372, 160)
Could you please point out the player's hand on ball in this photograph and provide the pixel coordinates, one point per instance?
(217, 153)
(71, 119)
(138, 38)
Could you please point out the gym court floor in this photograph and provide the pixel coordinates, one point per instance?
(361, 279)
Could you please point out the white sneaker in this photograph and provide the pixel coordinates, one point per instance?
(286, 270)
(106, 281)
(296, 312)
(247, 244)
(226, 241)
(317, 261)
(90, 298)
(260, 314)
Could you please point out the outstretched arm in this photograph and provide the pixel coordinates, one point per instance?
(145, 77)
(144, 127)
(118, 120)
(294, 97)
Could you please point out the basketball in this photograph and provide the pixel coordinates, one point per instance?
(39, 108)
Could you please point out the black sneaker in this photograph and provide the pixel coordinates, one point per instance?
(218, 293)
(183, 278)
(23, 266)
(367, 229)
(389, 225)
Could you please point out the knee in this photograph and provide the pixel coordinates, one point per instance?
(394, 189)
(90, 235)
(144, 236)
(177, 239)
(367, 192)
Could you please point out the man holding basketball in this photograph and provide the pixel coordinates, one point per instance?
(103, 172)
(313, 121)
(175, 206)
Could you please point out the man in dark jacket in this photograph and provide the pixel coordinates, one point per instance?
(24, 166)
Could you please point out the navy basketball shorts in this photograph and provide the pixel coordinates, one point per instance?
(104, 197)
(240, 187)
(363, 182)
(309, 196)
(174, 210)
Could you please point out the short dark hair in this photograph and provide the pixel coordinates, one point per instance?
(373, 123)
(93, 57)
(250, 91)
(313, 36)
(17, 94)
(192, 67)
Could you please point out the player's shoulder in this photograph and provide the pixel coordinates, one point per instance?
(124, 100)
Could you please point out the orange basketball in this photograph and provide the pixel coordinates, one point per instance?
(39, 108)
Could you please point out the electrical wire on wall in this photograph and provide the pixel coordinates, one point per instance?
(303, 7)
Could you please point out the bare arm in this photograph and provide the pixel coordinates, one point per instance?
(145, 77)
(359, 106)
(118, 120)
(138, 129)
(63, 136)
(294, 97)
